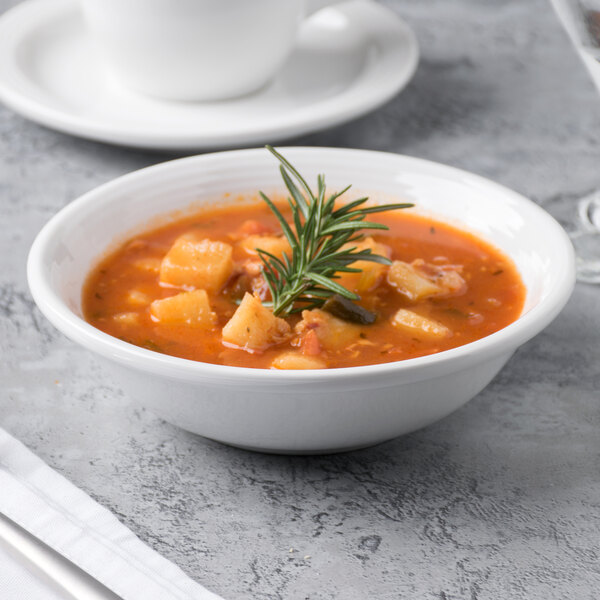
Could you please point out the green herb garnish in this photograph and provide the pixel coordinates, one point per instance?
(316, 236)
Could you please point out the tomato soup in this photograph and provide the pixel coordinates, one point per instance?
(194, 289)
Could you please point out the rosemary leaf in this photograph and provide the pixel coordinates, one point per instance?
(305, 278)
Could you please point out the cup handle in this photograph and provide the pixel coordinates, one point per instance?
(312, 6)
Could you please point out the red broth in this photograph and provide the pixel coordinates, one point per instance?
(119, 294)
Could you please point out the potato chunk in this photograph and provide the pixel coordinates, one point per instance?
(187, 308)
(452, 283)
(137, 298)
(149, 264)
(371, 272)
(197, 262)
(276, 245)
(420, 280)
(127, 318)
(417, 326)
(254, 327)
(410, 283)
(297, 361)
(333, 333)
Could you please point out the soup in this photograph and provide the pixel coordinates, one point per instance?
(195, 289)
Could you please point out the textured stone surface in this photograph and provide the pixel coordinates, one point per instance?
(500, 500)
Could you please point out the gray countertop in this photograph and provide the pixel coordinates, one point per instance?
(499, 500)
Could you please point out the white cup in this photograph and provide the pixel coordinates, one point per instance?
(196, 50)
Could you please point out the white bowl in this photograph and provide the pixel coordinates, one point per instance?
(301, 411)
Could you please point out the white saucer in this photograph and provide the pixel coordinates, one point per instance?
(349, 59)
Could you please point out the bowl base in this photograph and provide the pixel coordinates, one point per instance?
(287, 452)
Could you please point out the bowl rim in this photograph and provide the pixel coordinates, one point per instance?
(503, 341)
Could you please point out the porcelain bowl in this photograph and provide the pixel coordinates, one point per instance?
(300, 411)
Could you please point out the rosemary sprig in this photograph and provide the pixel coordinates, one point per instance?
(318, 232)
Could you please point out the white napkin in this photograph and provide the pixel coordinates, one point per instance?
(67, 520)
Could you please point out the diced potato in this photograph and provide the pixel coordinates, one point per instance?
(186, 308)
(127, 318)
(276, 245)
(250, 227)
(417, 326)
(410, 283)
(138, 298)
(420, 280)
(333, 333)
(149, 264)
(371, 274)
(253, 326)
(297, 361)
(197, 262)
(452, 283)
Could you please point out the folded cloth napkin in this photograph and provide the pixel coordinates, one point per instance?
(68, 521)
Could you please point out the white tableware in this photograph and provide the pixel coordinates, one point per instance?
(348, 60)
(194, 49)
(309, 411)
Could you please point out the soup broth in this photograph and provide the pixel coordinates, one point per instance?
(194, 289)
